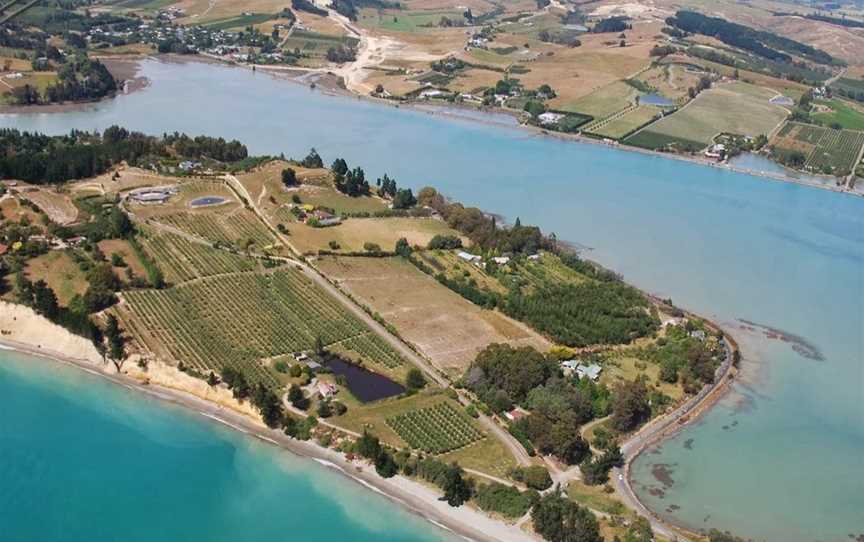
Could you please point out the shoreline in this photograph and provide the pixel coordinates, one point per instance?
(465, 522)
(295, 75)
(669, 425)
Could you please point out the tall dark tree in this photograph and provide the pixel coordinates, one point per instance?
(116, 342)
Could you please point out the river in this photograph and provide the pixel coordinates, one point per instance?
(780, 458)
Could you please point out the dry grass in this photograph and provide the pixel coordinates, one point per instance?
(129, 179)
(110, 246)
(353, 233)
(60, 272)
(56, 205)
(619, 369)
(445, 327)
(11, 209)
(200, 11)
(317, 23)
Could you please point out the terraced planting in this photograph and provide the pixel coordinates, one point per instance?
(233, 229)
(827, 150)
(182, 260)
(237, 320)
(437, 429)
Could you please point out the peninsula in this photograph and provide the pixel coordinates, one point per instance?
(480, 370)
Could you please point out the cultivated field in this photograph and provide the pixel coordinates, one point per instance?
(605, 102)
(445, 327)
(58, 206)
(182, 260)
(228, 223)
(627, 122)
(486, 454)
(736, 108)
(436, 429)
(241, 319)
(826, 150)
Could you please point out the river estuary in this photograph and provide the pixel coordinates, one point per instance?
(781, 266)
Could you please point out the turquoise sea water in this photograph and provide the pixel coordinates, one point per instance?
(782, 458)
(85, 460)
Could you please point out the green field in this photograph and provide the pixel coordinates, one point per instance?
(624, 125)
(844, 113)
(181, 260)
(605, 101)
(405, 21)
(239, 319)
(828, 151)
(437, 429)
(314, 43)
(233, 229)
(853, 88)
(241, 21)
(736, 108)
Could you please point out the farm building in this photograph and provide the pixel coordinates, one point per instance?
(548, 118)
(325, 389)
(589, 371)
(152, 195)
(501, 260)
(516, 414)
(468, 257)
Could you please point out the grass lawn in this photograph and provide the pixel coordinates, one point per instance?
(60, 272)
(241, 21)
(327, 197)
(606, 101)
(444, 326)
(846, 114)
(594, 497)
(736, 108)
(620, 368)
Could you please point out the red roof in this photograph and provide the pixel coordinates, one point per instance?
(3, 249)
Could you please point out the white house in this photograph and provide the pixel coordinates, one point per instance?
(468, 257)
(549, 118)
(589, 371)
(501, 260)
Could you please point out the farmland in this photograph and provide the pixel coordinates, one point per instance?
(353, 233)
(239, 319)
(736, 108)
(846, 114)
(825, 150)
(183, 260)
(445, 327)
(229, 223)
(631, 120)
(437, 429)
(606, 101)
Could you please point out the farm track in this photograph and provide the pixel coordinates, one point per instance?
(513, 446)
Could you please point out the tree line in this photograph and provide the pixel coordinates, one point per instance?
(43, 159)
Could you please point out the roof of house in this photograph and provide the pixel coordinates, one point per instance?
(591, 371)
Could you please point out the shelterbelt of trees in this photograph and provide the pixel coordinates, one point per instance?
(759, 42)
(41, 159)
(601, 310)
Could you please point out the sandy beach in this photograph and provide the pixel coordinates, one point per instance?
(25, 331)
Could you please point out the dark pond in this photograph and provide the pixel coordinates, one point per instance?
(365, 385)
